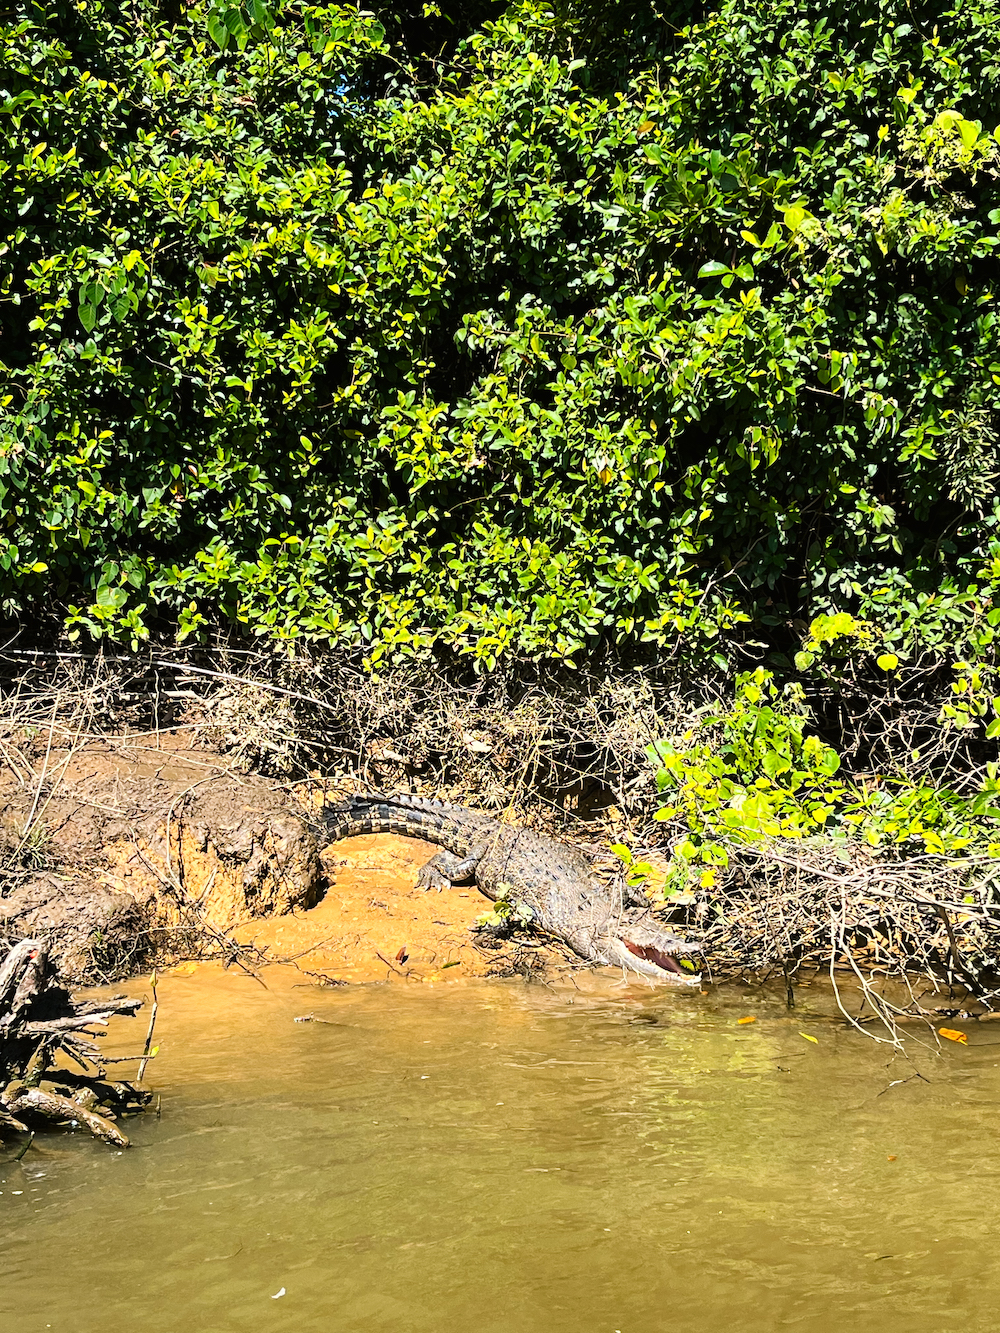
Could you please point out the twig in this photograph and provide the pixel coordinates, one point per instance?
(971, 980)
(390, 965)
(38, 788)
(149, 1031)
(244, 680)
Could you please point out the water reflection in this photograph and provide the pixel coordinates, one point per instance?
(501, 1157)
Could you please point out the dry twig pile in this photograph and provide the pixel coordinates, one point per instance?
(929, 922)
(566, 751)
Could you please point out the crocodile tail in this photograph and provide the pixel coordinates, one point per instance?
(410, 817)
(426, 803)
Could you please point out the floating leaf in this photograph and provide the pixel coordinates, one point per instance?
(953, 1034)
(814, 1040)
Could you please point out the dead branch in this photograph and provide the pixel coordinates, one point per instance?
(39, 1020)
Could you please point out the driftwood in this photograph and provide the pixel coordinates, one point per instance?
(39, 1022)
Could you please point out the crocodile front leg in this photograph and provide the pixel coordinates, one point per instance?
(446, 869)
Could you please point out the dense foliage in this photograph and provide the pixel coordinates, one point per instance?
(595, 328)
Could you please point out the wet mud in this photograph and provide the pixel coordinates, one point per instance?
(374, 923)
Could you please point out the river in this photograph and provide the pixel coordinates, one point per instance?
(505, 1157)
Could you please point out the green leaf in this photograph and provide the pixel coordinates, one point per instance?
(773, 763)
(970, 131)
(110, 598)
(234, 21)
(217, 29)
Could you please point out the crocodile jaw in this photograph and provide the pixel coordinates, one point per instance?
(654, 963)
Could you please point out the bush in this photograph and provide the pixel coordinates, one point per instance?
(670, 352)
(759, 773)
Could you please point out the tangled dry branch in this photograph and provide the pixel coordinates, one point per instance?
(567, 750)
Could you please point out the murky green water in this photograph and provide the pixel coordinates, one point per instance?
(504, 1158)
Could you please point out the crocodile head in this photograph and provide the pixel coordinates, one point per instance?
(640, 944)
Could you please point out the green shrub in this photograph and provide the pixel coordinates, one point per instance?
(529, 358)
(760, 772)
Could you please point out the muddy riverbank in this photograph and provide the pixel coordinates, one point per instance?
(130, 850)
(150, 848)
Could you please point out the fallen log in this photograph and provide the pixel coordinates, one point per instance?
(39, 1020)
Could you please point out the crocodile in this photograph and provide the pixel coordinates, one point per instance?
(540, 880)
